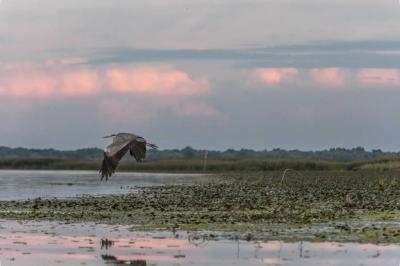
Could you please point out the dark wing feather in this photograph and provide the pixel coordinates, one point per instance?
(138, 149)
(112, 156)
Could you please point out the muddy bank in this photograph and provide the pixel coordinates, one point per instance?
(348, 206)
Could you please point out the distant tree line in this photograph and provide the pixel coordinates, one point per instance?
(340, 154)
(80, 154)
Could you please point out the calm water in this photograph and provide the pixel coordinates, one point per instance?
(18, 185)
(57, 243)
(44, 243)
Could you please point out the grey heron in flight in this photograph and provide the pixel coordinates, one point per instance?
(122, 142)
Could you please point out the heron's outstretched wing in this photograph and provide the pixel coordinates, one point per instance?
(138, 149)
(122, 142)
(114, 154)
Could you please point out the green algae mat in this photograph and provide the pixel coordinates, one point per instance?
(343, 205)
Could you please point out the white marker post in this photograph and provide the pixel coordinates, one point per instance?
(205, 160)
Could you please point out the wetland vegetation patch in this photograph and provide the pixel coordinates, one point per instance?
(355, 204)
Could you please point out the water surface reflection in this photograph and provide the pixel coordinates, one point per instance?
(44, 243)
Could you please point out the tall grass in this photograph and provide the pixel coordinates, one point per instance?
(183, 165)
(380, 165)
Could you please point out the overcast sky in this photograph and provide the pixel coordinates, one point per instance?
(262, 74)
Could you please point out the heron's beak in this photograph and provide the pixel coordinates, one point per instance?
(109, 136)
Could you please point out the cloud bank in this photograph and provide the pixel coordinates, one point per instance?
(63, 80)
(329, 77)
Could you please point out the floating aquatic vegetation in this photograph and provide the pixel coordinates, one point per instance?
(232, 202)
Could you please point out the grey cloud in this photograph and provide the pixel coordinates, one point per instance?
(379, 54)
(209, 38)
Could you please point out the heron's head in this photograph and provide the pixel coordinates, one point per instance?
(109, 136)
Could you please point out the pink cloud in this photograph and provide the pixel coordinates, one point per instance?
(155, 80)
(79, 83)
(330, 77)
(43, 81)
(55, 79)
(25, 81)
(38, 85)
(273, 76)
(379, 77)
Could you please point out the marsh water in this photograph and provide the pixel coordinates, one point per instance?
(59, 243)
(54, 243)
(21, 184)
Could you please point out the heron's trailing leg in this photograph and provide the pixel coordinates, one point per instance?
(153, 146)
